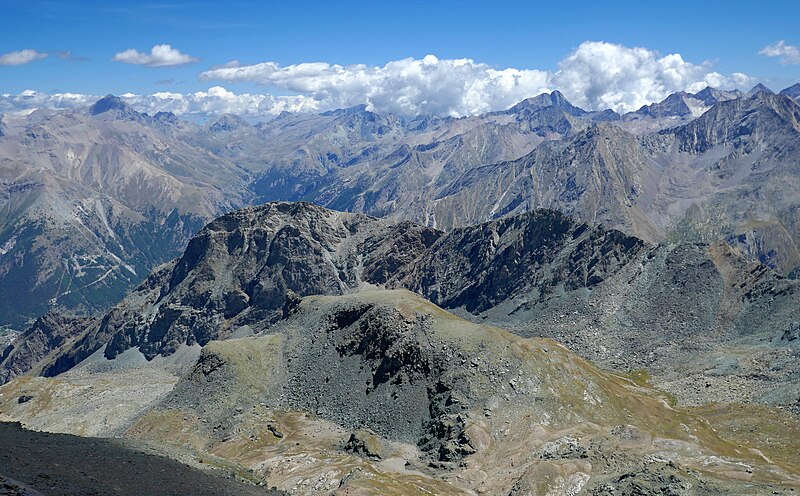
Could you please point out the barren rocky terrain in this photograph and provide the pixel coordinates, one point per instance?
(50, 464)
(275, 348)
(382, 392)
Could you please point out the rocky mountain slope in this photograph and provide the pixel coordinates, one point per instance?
(723, 176)
(715, 172)
(242, 269)
(270, 349)
(708, 324)
(91, 201)
(792, 91)
(725, 323)
(381, 392)
(48, 333)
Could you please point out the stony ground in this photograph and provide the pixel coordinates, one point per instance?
(58, 464)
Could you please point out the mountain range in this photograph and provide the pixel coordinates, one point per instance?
(93, 200)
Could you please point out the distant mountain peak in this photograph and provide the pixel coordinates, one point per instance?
(228, 122)
(166, 117)
(356, 109)
(555, 99)
(109, 103)
(758, 89)
(674, 105)
(710, 95)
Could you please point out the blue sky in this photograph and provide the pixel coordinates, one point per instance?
(521, 35)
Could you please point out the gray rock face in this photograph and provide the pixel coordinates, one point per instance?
(792, 91)
(539, 255)
(47, 334)
(241, 269)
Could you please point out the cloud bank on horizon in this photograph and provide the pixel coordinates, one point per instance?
(595, 76)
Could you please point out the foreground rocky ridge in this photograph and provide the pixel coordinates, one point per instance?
(381, 392)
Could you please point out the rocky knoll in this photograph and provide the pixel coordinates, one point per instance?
(382, 392)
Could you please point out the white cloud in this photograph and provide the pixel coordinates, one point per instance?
(201, 104)
(28, 100)
(21, 57)
(159, 56)
(409, 86)
(218, 100)
(789, 54)
(600, 75)
(595, 76)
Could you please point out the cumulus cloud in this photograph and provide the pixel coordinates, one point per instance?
(789, 54)
(218, 100)
(600, 75)
(29, 100)
(159, 56)
(21, 57)
(409, 86)
(596, 76)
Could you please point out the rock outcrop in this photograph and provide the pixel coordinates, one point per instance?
(33, 346)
